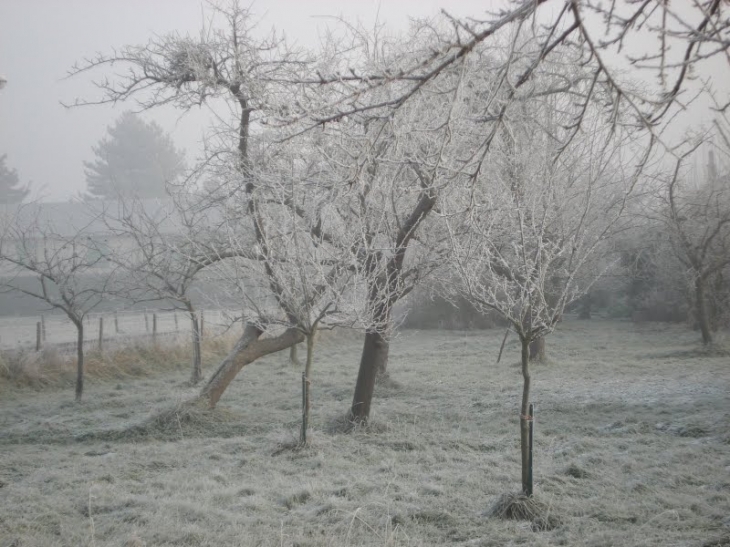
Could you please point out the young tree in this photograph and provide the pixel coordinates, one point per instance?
(135, 159)
(168, 246)
(524, 232)
(10, 189)
(307, 261)
(60, 260)
(300, 277)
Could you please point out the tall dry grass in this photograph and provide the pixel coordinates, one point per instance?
(53, 368)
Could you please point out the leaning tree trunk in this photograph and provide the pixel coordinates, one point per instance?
(197, 372)
(702, 315)
(79, 359)
(374, 357)
(294, 355)
(525, 418)
(247, 349)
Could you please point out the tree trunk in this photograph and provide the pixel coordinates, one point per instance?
(381, 364)
(306, 385)
(246, 351)
(585, 307)
(537, 350)
(79, 359)
(294, 355)
(197, 372)
(701, 306)
(525, 417)
(374, 354)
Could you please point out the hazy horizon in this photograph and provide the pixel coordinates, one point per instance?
(42, 39)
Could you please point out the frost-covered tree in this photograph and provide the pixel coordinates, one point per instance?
(11, 191)
(226, 62)
(677, 41)
(135, 159)
(59, 260)
(525, 232)
(168, 245)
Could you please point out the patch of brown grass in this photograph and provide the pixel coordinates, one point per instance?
(51, 368)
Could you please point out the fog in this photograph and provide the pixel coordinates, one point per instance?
(40, 40)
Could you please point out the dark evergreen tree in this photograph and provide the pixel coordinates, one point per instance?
(10, 189)
(136, 158)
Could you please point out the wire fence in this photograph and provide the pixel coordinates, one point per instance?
(111, 328)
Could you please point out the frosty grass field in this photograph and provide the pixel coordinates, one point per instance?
(632, 448)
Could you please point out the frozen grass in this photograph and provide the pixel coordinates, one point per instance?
(632, 448)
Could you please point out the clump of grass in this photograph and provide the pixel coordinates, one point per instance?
(342, 424)
(440, 519)
(573, 470)
(34, 369)
(521, 507)
(296, 498)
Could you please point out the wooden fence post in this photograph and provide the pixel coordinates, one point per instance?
(38, 336)
(101, 333)
(146, 322)
(154, 328)
(43, 327)
(116, 323)
(177, 327)
(202, 324)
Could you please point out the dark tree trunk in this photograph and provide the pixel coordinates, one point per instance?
(79, 359)
(382, 363)
(306, 385)
(197, 372)
(245, 351)
(374, 355)
(537, 350)
(383, 349)
(525, 418)
(585, 307)
(702, 316)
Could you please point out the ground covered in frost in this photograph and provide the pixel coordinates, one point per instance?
(632, 448)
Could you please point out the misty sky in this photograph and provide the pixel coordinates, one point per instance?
(41, 39)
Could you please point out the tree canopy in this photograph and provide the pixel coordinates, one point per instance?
(10, 189)
(135, 159)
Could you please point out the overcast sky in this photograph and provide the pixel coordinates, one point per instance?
(41, 39)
